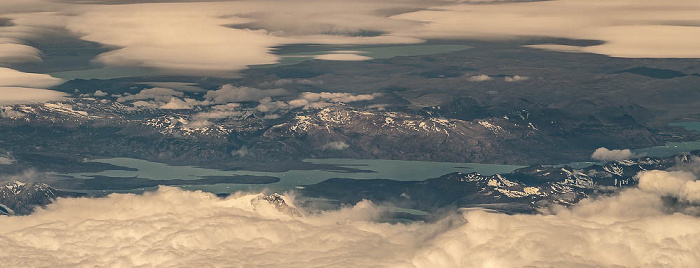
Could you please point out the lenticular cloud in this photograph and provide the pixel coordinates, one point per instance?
(176, 228)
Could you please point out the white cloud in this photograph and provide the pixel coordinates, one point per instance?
(605, 154)
(179, 104)
(222, 37)
(229, 93)
(335, 145)
(202, 119)
(336, 97)
(342, 57)
(16, 53)
(22, 95)
(680, 184)
(13, 78)
(8, 112)
(668, 183)
(217, 112)
(156, 93)
(516, 78)
(690, 192)
(100, 93)
(627, 28)
(184, 38)
(298, 103)
(312, 100)
(268, 106)
(172, 227)
(146, 104)
(480, 78)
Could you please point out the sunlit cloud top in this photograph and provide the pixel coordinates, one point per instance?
(222, 37)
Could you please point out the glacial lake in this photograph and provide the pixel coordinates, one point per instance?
(672, 148)
(370, 169)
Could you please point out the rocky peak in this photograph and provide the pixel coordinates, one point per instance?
(21, 198)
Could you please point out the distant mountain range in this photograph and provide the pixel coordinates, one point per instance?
(521, 191)
(91, 128)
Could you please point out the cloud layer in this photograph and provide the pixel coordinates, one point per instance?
(175, 228)
(19, 87)
(222, 37)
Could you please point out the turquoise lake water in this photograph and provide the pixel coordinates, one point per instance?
(381, 169)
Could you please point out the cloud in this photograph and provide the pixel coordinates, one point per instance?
(311, 100)
(13, 78)
(172, 227)
(480, 78)
(22, 88)
(156, 93)
(335, 145)
(690, 192)
(202, 119)
(516, 78)
(219, 38)
(605, 154)
(8, 112)
(22, 95)
(666, 183)
(147, 104)
(680, 184)
(179, 104)
(229, 93)
(100, 93)
(160, 98)
(17, 53)
(185, 38)
(268, 106)
(650, 29)
(342, 57)
(336, 97)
